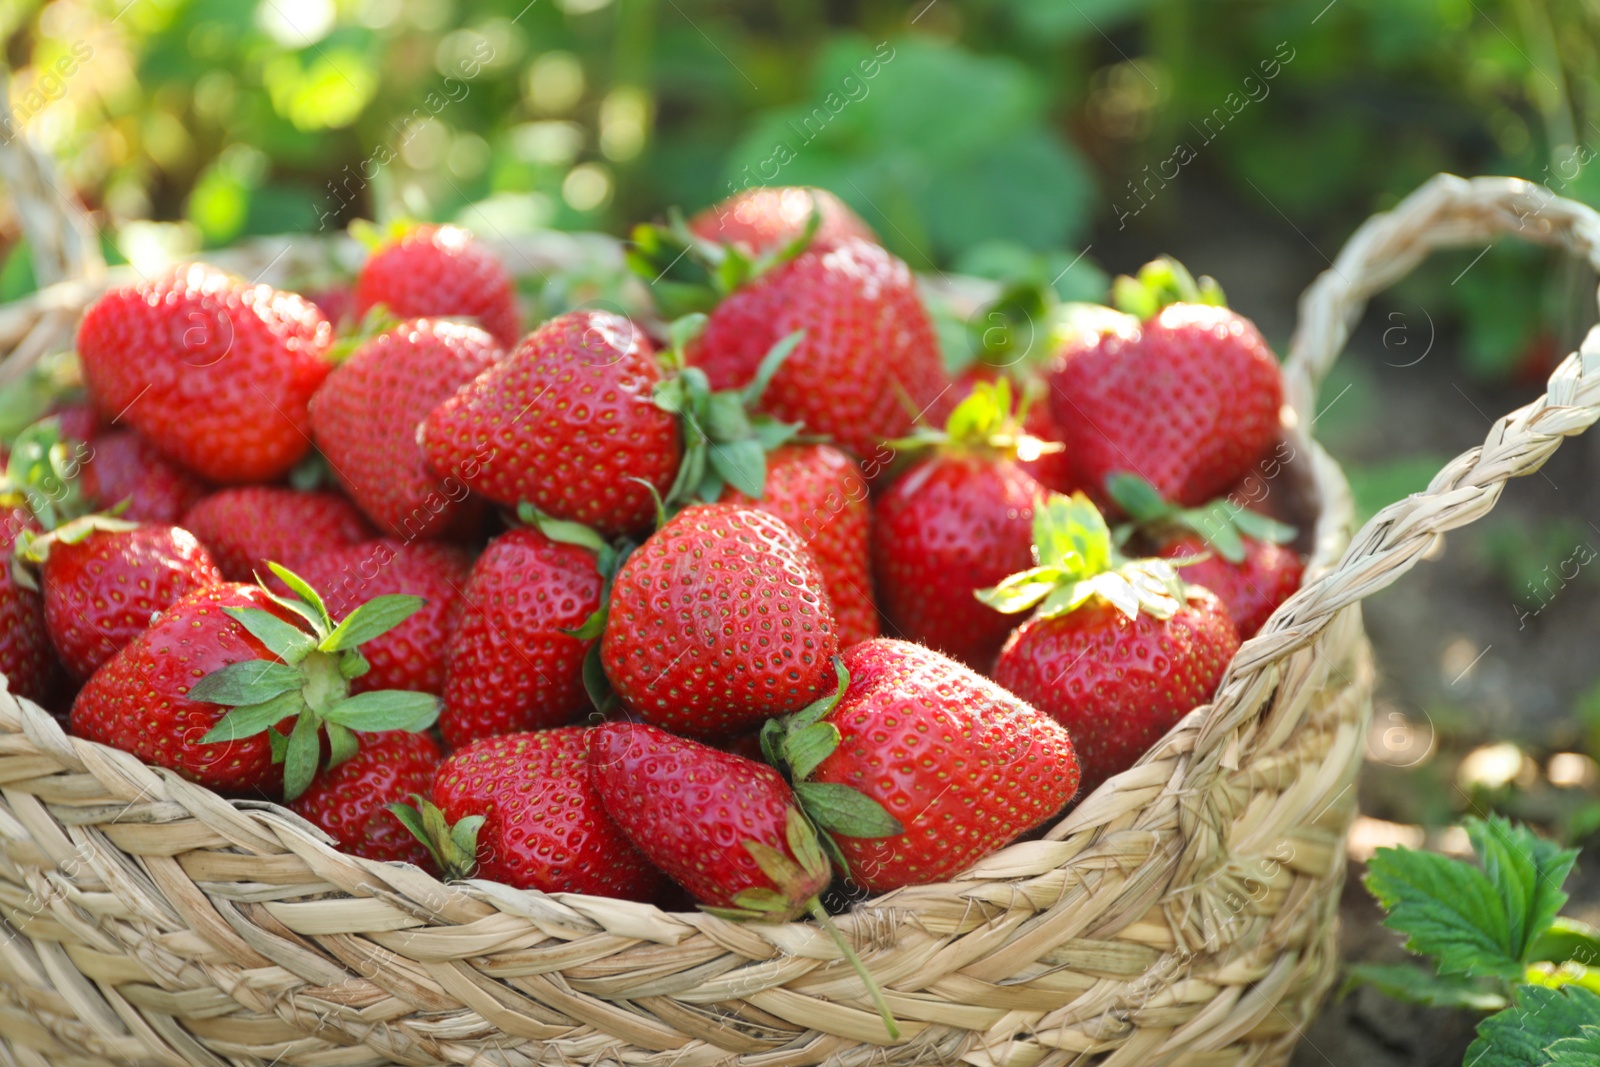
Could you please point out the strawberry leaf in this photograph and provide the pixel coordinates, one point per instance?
(1527, 871)
(301, 758)
(725, 418)
(287, 641)
(1255, 525)
(808, 746)
(1582, 1050)
(385, 709)
(250, 681)
(768, 367)
(595, 682)
(1070, 533)
(1141, 501)
(342, 743)
(376, 617)
(1020, 592)
(842, 810)
(1417, 985)
(307, 595)
(562, 531)
(743, 465)
(1448, 909)
(814, 711)
(1525, 1034)
(352, 664)
(251, 719)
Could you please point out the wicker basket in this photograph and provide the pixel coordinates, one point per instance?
(1183, 914)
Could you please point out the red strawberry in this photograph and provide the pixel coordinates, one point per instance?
(718, 621)
(818, 490)
(963, 765)
(958, 521)
(78, 422)
(522, 809)
(440, 271)
(337, 303)
(138, 701)
(1052, 469)
(216, 373)
(412, 655)
(765, 218)
(566, 422)
(1187, 399)
(1251, 589)
(26, 658)
(104, 579)
(123, 466)
(350, 802)
(869, 362)
(1118, 651)
(511, 666)
(365, 420)
(247, 526)
(724, 827)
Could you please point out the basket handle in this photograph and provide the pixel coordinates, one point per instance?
(1444, 213)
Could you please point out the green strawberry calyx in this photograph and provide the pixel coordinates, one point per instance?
(377, 321)
(32, 550)
(453, 846)
(725, 441)
(1076, 560)
(309, 682)
(1162, 282)
(988, 422)
(43, 473)
(1221, 524)
(689, 274)
(797, 883)
(609, 558)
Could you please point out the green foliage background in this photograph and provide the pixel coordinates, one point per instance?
(990, 134)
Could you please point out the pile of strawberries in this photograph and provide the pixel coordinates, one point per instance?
(632, 576)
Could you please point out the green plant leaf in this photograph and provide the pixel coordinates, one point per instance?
(342, 743)
(804, 748)
(1070, 533)
(1447, 908)
(301, 758)
(251, 719)
(1523, 1034)
(307, 595)
(1141, 501)
(1417, 985)
(1527, 871)
(385, 709)
(377, 616)
(768, 367)
(743, 465)
(1581, 1050)
(842, 810)
(814, 711)
(1262, 528)
(1020, 592)
(287, 641)
(249, 681)
(725, 418)
(561, 530)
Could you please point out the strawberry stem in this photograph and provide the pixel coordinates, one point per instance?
(824, 920)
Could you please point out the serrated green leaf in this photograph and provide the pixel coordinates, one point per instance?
(1527, 871)
(1447, 908)
(743, 465)
(376, 617)
(1580, 1050)
(250, 681)
(842, 810)
(251, 719)
(769, 365)
(1567, 939)
(1417, 985)
(1523, 1034)
(385, 709)
(300, 759)
(808, 746)
(287, 641)
(307, 595)
(342, 743)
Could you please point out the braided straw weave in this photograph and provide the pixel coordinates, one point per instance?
(1183, 914)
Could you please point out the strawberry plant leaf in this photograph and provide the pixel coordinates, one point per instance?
(842, 810)
(377, 616)
(342, 743)
(307, 595)
(682, 331)
(769, 365)
(1141, 501)
(1527, 871)
(411, 819)
(770, 433)
(1417, 985)
(805, 748)
(1524, 1034)
(1261, 528)
(250, 681)
(563, 531)
(743, 465)
(301, 758)
(1447, 908)
(1226, 540)
(385, 709)
(1582, 1050)
(287, 641)
(251, 719)
(725, 418)
(1072, 535)
(1567, 939)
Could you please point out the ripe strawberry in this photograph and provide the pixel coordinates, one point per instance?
(1188, 398)
(1251, 589)
(958, 521)
(763, 219)
(26, 657)
(962, 765)
(566, 422)
(512, 666)
(440, 271)
(210, 689)
(1051, 469)
(1118, 651)
(216, 373)
(104, 579)
(818, 490)
(869, 362)
(412, 655)
(718, 621)
(350, 802)
(246, 526)
(122, 466)
(365, 420)
(78, 422)
(522, 809)
(337, 302)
